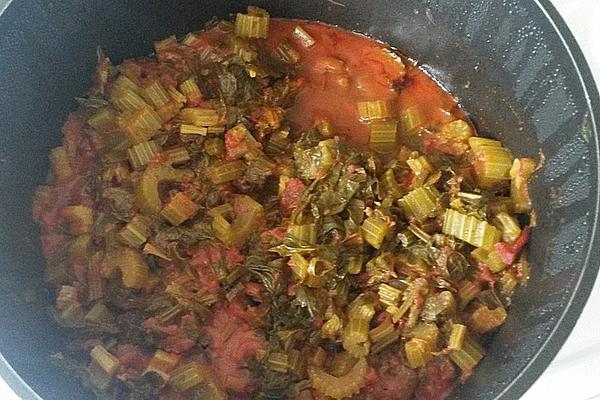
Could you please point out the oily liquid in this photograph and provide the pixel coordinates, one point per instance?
(343, 68)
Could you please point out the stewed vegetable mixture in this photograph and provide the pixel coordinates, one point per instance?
(274, 209)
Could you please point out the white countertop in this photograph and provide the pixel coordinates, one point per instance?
(574, 372)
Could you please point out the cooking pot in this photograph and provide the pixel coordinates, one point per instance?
(513, 64)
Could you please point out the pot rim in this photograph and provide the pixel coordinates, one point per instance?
(565, 323)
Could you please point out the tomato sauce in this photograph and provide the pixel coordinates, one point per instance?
(343, 68)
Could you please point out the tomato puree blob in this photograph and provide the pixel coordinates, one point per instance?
(343, 68)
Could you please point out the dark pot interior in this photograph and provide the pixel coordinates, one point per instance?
(513, 64)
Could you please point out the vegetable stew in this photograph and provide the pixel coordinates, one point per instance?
(274, 209)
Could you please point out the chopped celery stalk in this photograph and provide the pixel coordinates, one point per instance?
(186, 129)
(147, 195)
(306, 234)
(200, 116)
(468, 356)
(253, 25)
(222, 229)
(491, 161)
(520, 172)
(417, 353)
(140, 125)
(300, 266)
(214, 147)
(151, 249)
(80, 219)
(178, 155)
(508, 283)
(388, 295)
(278, 362)
(523, 266)
(136, 232)
(318, 358)
(141, 153)
(470, 229)
(106, 361)
(278, 142)
(125, 95)
(80, 249)
(226, 171)
(61, 165)
(189, 376)
(330, 386)
(245, 50)
(296, 363)
(248, 215)
(286, 52)
(95, 281)
(471, 198)
(355, 265)
(457, 337)
(421, 167)
(332, 327)
(134, 270)
(162, 363)
(411, 119)
(420, 233)
(374, 229)
(169, 110)
(372, 110)
(421, 203)
(484, 320)
(317, 268)
(128, 101)
(458, 130)
(260, 161)
(356, 332)
(223, 209)
(467, 291)
(381, 331)
(342, 363)
(303, 37)
(380, 268)
(383, 136)
(389, 185)
(176, 95)
(99, 315)
(382, 336)
(509, 225)
(215, 129)
(102, 118)
(498, 204)
(165, 43)
(477, 142)
(155, 94)
(124, 84)
(491, 259)
(191, 90)
(429, 332)
(190, 39)
(179, 209)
